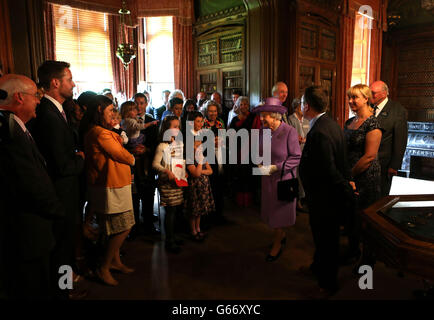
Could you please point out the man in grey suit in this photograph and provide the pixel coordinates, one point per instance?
(392, 118)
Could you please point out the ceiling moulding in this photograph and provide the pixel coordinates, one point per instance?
(235, 15)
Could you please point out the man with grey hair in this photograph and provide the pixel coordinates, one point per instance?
(392, 118)
(280, 91)
(28, 201)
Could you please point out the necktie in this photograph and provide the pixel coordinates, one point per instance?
(64, 116)
(29, 135)
(375, 108)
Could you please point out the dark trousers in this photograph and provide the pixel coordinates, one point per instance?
(324, 223)
(146, 193)
(172, 213)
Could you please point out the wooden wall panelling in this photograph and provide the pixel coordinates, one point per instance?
(409, 70)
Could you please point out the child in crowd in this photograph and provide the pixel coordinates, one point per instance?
(171, 195)
(199, 196)
(116, 123)
(132, 126)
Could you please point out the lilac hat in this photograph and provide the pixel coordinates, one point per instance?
(271, 105)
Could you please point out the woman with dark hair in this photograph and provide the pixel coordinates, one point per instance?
(189, 106)
(171, 194)
(245, 184)
(109, 183)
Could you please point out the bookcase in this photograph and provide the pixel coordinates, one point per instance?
(220, 62)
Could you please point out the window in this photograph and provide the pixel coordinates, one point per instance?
(362, 47)
(82, 39)
(158, 56)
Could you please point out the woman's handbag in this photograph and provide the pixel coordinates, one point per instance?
(287, 190)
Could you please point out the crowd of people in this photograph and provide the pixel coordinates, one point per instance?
(70, 165)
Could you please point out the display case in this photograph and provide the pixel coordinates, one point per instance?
(399, 230)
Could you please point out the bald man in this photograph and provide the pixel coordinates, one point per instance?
(392, 117)
(28, 201)
(280, 91)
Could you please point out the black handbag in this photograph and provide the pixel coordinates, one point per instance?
(287, 190)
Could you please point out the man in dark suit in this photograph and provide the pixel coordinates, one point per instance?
(325, 174)
(28, 201)
(144, 175)
(392, 118)
(58, 144)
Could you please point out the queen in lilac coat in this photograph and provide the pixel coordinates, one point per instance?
(284, 147)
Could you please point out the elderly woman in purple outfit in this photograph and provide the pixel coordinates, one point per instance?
(285, 151)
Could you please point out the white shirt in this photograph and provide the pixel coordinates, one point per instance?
(231, 115)
(381, 106)
(21, 123)
(56, 103)
(312, 122)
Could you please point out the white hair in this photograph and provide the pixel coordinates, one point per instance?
(238, 103)
(275, 115)
(276, 86)
(176, 94)
(11, 86)
(210, 103)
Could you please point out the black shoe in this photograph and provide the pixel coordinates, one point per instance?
(270, 258)
(196, 237)
(282, 243)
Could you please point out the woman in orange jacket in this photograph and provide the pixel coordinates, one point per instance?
(109, 184)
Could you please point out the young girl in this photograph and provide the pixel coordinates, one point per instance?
(199, 196)
(116, 124)
(171, 195)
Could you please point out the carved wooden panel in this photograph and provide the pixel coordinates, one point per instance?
(306, 77)
(415, 79)
(328, 45)
(309, 40)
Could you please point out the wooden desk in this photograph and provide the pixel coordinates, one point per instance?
(398, 244)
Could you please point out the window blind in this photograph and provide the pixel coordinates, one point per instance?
(82, 39)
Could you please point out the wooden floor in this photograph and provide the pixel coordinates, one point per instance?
(231, 264)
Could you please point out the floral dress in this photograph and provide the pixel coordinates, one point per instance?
(199, 195)
(368, 182)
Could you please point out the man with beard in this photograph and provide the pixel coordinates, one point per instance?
(58, 144)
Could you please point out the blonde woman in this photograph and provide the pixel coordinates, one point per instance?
(363, 136)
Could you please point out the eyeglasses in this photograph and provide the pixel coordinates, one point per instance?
(38, 95)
